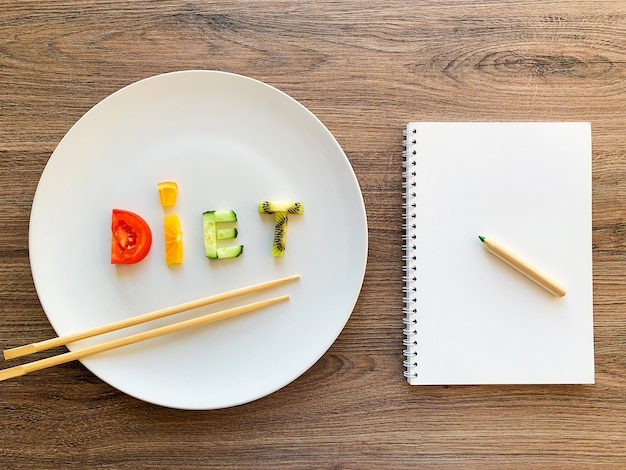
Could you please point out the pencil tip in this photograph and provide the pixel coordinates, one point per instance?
(482, 239)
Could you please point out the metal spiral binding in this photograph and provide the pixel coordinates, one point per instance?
(409, 290)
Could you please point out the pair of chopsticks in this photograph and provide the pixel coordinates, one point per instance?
(124, 341)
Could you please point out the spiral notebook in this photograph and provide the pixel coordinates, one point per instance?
(469, 317)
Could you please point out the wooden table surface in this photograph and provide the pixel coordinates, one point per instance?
(365, 69)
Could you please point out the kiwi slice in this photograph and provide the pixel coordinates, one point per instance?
(281, 211)
(280, 233)
(271, 207)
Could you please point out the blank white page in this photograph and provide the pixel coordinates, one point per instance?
(472, 319)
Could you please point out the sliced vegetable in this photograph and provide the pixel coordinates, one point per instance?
(229, 251)
(131, 237)
(225, 216)
(173, 240)
(281, 211)
(212, 234)
(168, 192)
(226, 233)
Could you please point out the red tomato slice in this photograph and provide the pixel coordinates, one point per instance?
(131, 237)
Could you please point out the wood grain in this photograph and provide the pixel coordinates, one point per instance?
(365, 69)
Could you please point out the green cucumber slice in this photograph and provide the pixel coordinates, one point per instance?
(226, 233)
(229, 251)
(225, 216)
(210, 234)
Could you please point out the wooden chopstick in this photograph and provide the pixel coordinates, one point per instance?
(117, 343)
(70, 338)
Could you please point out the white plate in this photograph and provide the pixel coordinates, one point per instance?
(229, 142)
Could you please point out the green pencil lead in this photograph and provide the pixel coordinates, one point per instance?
(482, 239)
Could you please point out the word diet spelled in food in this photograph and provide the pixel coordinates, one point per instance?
(131, 237)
